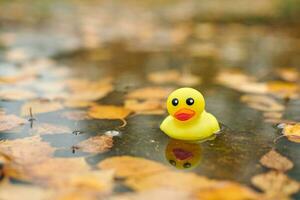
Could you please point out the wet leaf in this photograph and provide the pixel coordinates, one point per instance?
(173, 76)
(40, 106)
(108, 112)
(96, 144)
(238, 81)
(147, 107)
(127, 166)
(262, 103)
(76, 115)
(288, 74)
(150, 93)
(276, 161)
(16, 94)
(227, 191)
(45, 128)
(77, 104)
(276, 185)
(284, 89)
(292, 132)
(8, 122)
(10, 191)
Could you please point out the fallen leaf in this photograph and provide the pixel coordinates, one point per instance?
(109, 112)
(170, 179)
(10, 191)
(14, 94)
(288, 74)
(292, 132)
(55, 171)
(150, 93)
(238, 81)
(40, 106)
(76, 115)
(77, 104)
(262, 103)
(8, 122)
(96, 144)
(276, 161)
(45, 128)
(173, 76)
(146, 107)
(284, 89)
(127, 166)
(227, 191)
(276, 185)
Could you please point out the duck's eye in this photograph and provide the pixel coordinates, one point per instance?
(187, 165)
(189, 101)
(172, 162)
(175, 102)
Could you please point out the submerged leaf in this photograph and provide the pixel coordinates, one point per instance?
(276, 161)
(40, 106)
(45, 128)
(76, 115)
(96, 144)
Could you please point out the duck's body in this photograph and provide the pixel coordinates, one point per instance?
(203, 127)
(188, 120)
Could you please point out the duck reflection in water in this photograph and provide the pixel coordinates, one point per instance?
(183, 155)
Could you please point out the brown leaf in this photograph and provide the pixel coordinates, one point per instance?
(15, 94)
(276, 161)
(8, 122)
(108, 112)
(276, 185)
(147, 107)
(262, 103)
(76, 115)
(227, 191)
(150, 93)
(40, 106)
(45, 128)
(238, 81)
(284, 89)
(292, 132)
(96, 144)
(288, 74)
(127, 166)
(173, 76)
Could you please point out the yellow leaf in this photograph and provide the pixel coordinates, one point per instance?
(40, 106)
(284, 89)
(108, 112)
(96, 144)
(292, 132)
(288, 74)
(127, 166)
(146, 107)
(276, 161)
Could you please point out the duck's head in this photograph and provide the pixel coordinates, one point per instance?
(185, 104)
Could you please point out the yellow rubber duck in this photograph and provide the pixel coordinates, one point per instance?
(188, 119)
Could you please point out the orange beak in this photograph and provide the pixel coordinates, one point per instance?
(184, 114)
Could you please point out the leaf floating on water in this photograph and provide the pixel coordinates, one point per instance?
(227, 191)
(276, 161)
(77, 104)
(173, 76)
(45, 128)
(127, 166)
(292, 132)
(76, 115)
(150, 93)
(109, 112)
(262, 103)
(16, 94)
(147, 107)
(284, 89)
(40, 106)
(276, 185)
(8, 122)
(96, 144)
(288, 74)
